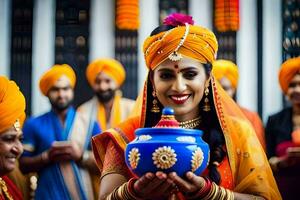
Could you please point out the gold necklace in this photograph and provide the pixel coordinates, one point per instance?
(191, 124)
(3, 188)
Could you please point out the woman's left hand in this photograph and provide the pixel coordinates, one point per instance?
(191, 184)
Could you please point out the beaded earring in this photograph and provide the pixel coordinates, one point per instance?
(206, 106)
(155, 108)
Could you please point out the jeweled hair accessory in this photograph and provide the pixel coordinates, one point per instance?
(178, 19)
(175, 56)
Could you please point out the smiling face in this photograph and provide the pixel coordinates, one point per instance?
(293, 92)
(180, 85)
(10, 149)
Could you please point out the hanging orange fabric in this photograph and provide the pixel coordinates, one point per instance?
(115, 115)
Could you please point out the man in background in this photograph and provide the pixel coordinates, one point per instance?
(107, 107)
(226, 72)
(57, 143)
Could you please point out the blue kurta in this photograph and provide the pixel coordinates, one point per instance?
(39, 134)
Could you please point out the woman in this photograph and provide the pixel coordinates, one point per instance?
(179, 56)
(282, 132)
(12, 115)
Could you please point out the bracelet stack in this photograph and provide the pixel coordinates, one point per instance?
(124, 192)
(210, 190)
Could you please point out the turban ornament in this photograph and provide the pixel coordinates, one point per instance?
(175, 56)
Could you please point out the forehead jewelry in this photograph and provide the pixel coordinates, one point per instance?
(175, 56)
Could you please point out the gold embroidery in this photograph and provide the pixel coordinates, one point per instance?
(4, 189)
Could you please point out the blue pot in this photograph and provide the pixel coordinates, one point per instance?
(168, 150)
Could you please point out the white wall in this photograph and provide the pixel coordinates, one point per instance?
(102, 26)
(42, 50)
(149, 20)
(5, 37)
(201, 10)
(272, 52)
(247, 55)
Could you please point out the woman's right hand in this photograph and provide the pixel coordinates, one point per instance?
(154, 186)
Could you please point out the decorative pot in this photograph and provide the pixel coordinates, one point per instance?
(167, 148)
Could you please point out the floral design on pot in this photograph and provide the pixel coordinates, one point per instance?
(197, 159)
(134, 157)
(164, 157)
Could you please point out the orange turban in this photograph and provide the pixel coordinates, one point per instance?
(189, 40)
(287, 72)
(53, 74)
(109, 66)
(12, 104)
(226, 68)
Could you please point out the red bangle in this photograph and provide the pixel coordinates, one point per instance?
(203, 191)
(131, 187)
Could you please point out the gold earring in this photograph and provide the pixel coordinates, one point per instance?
(155, 108)
(206, 106)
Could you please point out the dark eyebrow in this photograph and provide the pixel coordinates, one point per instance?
(188, 69)
(166, 70)
(11, 134)
(182, 70)
(61, 88)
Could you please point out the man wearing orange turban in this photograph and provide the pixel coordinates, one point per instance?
(226, 72)
(106, 76)
(283, 132)
(12, 115)
(107, 107)
(288, 70)
(56, 144)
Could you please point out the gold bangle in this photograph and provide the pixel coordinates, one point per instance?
(122, 193)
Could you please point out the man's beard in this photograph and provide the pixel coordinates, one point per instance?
(61, 106)
(105, 96)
